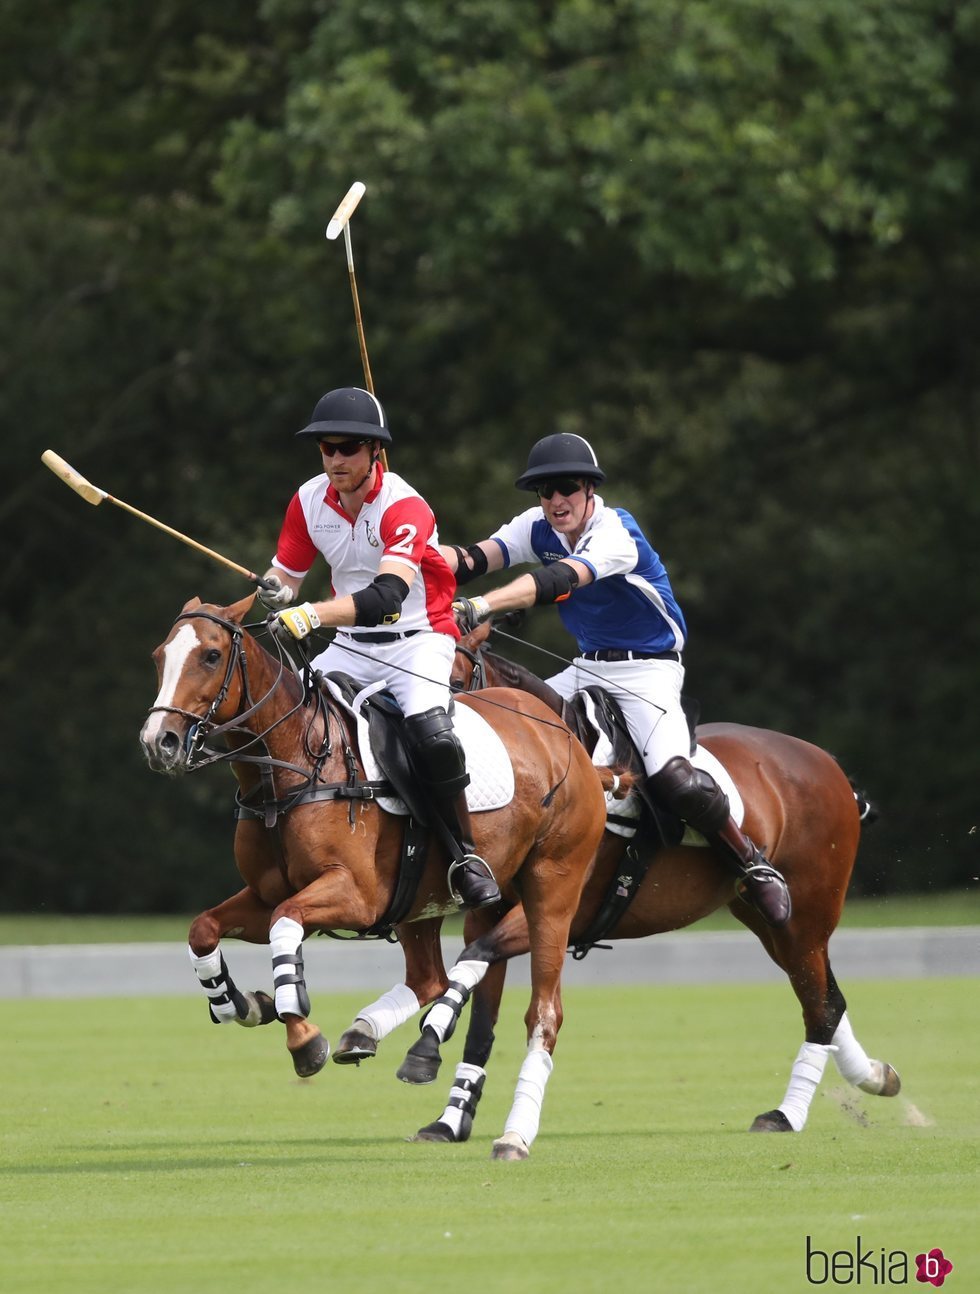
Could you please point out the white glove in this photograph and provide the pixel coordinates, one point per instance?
(298, 621)
(279, 596)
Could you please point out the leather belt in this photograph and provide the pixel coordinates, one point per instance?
(381, 638)
(616, 653)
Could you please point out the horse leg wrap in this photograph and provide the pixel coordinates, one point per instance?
(444, 1013)
(225, 1002)
(286, 940)
(390, 1010)
(803, 1083)
(851, 1058)
(464, 1097)
(525, 1113)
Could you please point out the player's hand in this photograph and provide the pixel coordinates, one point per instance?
(277, 597)
(471, 612)
(295, 623)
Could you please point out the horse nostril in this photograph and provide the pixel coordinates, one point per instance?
(168, 743)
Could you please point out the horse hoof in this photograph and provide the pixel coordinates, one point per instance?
(882, 1081)
(771, 1121)
(419, 1069)
(435, 1132)
(509, 1146)
(355, 1046)
(311, 1057)
(261, 1010)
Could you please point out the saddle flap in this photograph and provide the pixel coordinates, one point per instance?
(379, 739)
(379, 710)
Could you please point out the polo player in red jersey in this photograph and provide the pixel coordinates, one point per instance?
(390, 603)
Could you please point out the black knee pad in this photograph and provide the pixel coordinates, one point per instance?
(435, 751)
(692, 794)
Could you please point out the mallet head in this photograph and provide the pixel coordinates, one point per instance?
(346, 209)
(89, 492)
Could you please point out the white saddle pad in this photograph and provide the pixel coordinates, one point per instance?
(487, 762)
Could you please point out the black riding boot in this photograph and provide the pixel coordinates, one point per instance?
(440, 765)
(695, 796)
(760, 885)
(471, 882)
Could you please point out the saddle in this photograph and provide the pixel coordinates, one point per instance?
(384, 719)
(594, 715)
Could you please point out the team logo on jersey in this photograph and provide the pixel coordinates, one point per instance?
(372, 534)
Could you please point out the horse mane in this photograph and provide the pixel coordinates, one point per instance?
(518, 676)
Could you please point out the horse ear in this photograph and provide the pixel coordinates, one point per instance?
(192, 605)
(478, 636)
(237, 612)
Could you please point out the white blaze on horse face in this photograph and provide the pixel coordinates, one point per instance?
(175, 656)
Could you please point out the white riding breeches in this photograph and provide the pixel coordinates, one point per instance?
(416, 670)
(649, 695)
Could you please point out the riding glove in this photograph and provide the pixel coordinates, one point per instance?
(298, 621)
(277, 597)
(470, 612)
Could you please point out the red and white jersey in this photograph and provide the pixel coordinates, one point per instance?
(395, 523)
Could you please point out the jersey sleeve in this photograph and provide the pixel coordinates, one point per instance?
(406, 527)
(514, 538)
(295, 551)
(609, 549)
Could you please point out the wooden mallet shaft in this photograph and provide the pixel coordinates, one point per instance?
(340, 223)
(92, 494)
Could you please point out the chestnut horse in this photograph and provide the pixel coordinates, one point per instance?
(798, 804)
(317, 853)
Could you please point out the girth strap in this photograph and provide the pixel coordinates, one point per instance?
(621, 893)
(308, 795)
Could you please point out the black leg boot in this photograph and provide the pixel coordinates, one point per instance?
(760, 885)
(695, 796)
(440, 766)
(471, 882)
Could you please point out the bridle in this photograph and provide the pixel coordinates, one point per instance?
(478, 676)
(204, 727)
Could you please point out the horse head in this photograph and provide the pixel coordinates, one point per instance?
(200, 677)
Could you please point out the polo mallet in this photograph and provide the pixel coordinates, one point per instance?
(340, 220)
(92, 494)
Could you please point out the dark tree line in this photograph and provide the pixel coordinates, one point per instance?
(734, 242)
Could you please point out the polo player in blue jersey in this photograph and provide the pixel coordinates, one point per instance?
(614, 596)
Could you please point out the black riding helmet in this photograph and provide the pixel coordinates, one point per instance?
(560, 455)
(350, 412)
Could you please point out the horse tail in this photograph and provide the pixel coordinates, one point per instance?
(618, 781)
(867, 810)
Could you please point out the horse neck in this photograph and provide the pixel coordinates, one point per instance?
(281, 719)
(501, 672)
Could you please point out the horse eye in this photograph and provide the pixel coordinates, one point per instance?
(212, 657)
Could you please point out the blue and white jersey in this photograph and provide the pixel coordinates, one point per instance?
(629, 603)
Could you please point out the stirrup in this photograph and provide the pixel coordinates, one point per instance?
(490, 890)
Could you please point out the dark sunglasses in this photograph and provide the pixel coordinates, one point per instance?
(564, 486)
(347, 448)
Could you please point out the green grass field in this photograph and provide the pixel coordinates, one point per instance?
(952, 908)
(145, 1150)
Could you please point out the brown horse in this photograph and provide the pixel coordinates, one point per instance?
(317, 853)
(798, 803)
